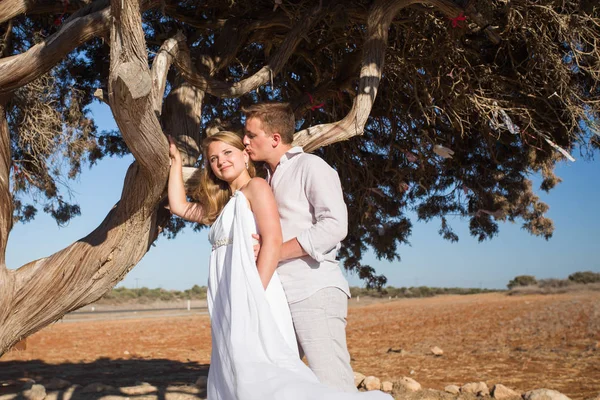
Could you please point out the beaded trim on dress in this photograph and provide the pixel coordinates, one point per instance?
(222, 242)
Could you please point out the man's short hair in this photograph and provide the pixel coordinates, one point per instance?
(275, 117)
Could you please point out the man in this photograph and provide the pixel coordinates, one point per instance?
(314, 221)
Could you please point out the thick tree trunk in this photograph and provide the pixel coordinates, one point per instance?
(42, 291)
(6, 211)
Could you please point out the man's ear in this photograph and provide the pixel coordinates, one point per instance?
(275, 139)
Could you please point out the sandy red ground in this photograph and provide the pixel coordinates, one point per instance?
(528, 342)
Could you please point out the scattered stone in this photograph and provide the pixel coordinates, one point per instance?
(28, 384)
(36, 392)
(97, 388)
(544, 394)
(478, 388)
(409, 384)
(402, 352)
(187, 389)
(387, 386)
(68, 394)
(202, 381)
(358, 379)
(11, 396)
(371, 383)
(412, 372)
(178, 396)
(186, 392)
(143, 388)
(57, 384)
(452, 389)
(126, 352)
(437, 351)
(501, 392)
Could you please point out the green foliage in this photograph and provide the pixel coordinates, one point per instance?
(411, 292)
(522, 280)
(585, 277)
(553, 283)
(145, 295)
(526, 284)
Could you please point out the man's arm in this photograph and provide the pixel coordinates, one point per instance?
(324, 192)
(292, 249)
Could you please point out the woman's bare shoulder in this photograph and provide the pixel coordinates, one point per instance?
(257, 189)
(257, 184)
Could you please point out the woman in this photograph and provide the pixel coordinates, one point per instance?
(254, 351)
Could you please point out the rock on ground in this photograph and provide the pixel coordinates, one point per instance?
(437, 351)
(57, 384)
(36, 392)
(141, 389)
(371, 383)
(501, 392)
(387, 386)
(358, 379)
(452, 389)
(544, 394)
(478, 388)
(409, 384)
(97, 388)
(202, 381)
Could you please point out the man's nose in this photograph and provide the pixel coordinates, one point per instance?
(246, 141)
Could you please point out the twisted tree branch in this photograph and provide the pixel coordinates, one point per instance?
(19, 70)
(275, 65)
(13, 8)
(380, 17)
(6, 203)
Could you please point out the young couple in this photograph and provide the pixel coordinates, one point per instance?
(292, 297)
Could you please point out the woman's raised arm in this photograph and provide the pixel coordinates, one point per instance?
(178, 203)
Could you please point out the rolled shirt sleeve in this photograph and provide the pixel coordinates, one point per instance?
(330, 226)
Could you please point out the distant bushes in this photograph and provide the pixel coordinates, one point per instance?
(409, 292)
(522, 280)
(527, 284)
(585, 277)
(145, 295)
(522, 284)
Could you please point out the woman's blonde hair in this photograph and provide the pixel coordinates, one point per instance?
(212, 192)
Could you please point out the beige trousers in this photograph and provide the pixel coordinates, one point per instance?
(320, 324)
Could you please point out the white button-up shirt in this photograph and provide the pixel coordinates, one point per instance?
(312, 210)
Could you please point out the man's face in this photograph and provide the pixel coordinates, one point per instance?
(259, 144)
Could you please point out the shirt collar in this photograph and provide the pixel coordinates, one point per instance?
(291, 153)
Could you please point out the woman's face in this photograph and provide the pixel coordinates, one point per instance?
(226, 161)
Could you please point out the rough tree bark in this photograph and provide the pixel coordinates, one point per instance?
(44, 290)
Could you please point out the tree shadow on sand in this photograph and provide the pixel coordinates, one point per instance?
(159, 379)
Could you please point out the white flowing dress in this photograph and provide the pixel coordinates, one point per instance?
(254, 349)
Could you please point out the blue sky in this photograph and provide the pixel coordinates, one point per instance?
(430, 260)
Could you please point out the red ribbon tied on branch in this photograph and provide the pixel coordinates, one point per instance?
(58, 19)
(312, 101)
(456, 20)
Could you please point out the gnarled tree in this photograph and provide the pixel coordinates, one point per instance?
(474, 97)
